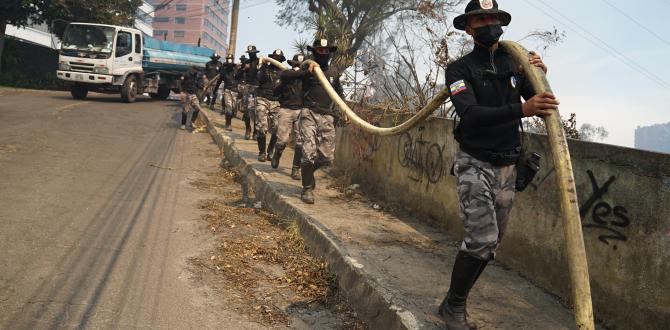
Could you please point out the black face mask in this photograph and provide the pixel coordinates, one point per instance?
(322, 59)
(252, 56)
(488, 35)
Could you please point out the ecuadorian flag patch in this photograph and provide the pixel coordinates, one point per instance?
(457, 87)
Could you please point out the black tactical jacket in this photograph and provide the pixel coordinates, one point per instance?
(486, 89)
(290, 89)
(227, 76)
(212, 68)
(268, 80)
(315, 96)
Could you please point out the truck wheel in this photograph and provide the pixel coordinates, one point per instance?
(163, 93)
(78, 92)
(129, 90)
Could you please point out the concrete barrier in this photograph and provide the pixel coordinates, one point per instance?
(625, 205)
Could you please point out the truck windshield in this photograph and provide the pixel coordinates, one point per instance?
(91, 38)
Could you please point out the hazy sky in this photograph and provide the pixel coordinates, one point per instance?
(612, 69)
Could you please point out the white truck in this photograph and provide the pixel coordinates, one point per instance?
(121, 60)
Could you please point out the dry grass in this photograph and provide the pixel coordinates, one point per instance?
(261, 259)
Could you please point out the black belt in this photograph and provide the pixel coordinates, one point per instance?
(496, 158)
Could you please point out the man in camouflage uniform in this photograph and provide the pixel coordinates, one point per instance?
(227, 77)
(486, 88)
(248, 83)
(267, 106)
(191, 82)
(291, 101)
(211, 70)
(317, 127)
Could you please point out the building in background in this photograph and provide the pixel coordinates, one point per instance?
(145, 18)
(34, 33)
(193, 21)
(653, 138)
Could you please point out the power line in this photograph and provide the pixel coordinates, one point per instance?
(637, 22)
(601, 44)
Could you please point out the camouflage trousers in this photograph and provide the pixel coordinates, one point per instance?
(287, 122)
(266, 116)
(229, 98)
(486, 195)
(189, 101)
(317, 134)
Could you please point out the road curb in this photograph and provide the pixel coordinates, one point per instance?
(373, 303)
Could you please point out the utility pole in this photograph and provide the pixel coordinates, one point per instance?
(233, 27)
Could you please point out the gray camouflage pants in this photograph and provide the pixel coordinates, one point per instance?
(266, 116)
(229, 99)
(486, 195)
(317, 134)
(288, 122)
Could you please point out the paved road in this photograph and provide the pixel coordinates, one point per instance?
(97, 217)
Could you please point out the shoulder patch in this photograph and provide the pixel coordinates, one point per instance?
(457, 87)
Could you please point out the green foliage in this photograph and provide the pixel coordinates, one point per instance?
(348, 23)
(114, 12)
(19, 12)
(23, 12)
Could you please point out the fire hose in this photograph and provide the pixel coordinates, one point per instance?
(576, 252)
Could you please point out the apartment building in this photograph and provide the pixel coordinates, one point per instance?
(193, 21)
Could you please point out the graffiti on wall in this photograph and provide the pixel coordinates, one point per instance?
(424, 159)
(609, 220)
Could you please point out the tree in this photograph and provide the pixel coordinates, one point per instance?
(115, 12)
(25, 12)
(350, 22)
(19, 13)
(586, 132)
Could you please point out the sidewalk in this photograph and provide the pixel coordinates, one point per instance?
(395, 271)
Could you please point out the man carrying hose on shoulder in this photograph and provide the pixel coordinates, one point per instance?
(486, 89)
(317, 127)
(291, 101)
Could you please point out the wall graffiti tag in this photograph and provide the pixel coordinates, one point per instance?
(424, 158)
(607, 218)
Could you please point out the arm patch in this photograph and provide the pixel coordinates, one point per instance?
(457, 87)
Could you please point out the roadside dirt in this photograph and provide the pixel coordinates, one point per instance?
(260, 265)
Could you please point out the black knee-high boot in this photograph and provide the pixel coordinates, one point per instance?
(271, 145)
(297, 156)
(453, 309)
(308, 183)
(261, 147)
(247, 127)
(279, 150)
(184, 116)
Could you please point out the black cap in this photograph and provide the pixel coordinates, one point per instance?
(479, 7)
(322, 43)
(297, 59)
(252, 49)
(215, 56)
(278, 55)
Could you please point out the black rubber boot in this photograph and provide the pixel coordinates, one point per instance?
(229, 120)
(297, 156)
(276, 156)
(308, 183)
(247, 128)
(261, 148)
(271, 146)
(453, 308)
(295, 173)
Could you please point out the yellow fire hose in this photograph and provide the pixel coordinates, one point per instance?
(577, 264)
(579, 270)
(424, 113)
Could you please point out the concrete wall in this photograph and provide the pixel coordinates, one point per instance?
(625, 198)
